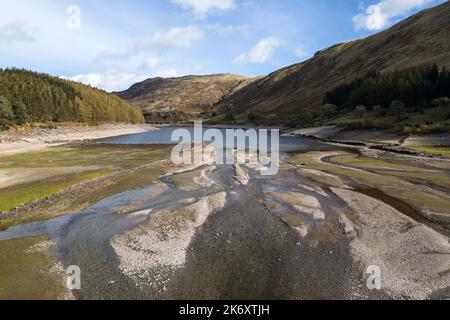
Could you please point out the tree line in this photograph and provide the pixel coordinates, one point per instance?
(413, 89)
(27, 97)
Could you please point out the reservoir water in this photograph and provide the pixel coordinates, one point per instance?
(164, 134)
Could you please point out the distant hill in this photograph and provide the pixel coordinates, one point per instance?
(184, 98)
(288, 93)
(27, 96)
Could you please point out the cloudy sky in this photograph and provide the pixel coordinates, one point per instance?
(113, 44)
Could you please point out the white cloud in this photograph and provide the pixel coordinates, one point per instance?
(379, 15)
(167, 73)
(110, 81)
(201, 8)
(42, 25)
(227, 29)
(15, 33)
(174, 38)
(152, 61)
(300, 52)
(262, 52)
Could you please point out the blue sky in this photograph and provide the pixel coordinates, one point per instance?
(112, 44)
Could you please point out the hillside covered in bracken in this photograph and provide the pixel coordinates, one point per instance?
(291, 94)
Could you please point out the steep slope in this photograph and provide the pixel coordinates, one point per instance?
(287, 93)
(188, 95)
(35, 97)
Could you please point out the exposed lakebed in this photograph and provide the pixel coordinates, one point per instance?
(214, 231)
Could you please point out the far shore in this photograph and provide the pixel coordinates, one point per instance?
(20, 140)
(384, 140)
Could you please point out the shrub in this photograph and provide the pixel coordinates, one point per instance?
(360, 111)
(327, 110)
(229, 117)
(440, 102)
(252, 117)
(304, 120)
(396, 108)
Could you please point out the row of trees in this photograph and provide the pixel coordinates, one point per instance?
(415, 87)
(160, 117)
(27, 96)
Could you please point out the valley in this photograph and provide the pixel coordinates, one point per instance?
(358, 207)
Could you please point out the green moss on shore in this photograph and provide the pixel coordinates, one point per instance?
(119, 168)
(29, 271)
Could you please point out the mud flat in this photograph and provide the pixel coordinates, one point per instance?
(210, 231)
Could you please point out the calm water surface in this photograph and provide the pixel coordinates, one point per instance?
(164, 134)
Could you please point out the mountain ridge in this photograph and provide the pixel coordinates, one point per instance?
(182, 96)
(419, 39)
(287, 93)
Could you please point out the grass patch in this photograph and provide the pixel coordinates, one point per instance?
(433, 150)
(371, 163)
(293, 220)
(384, 181)
(86, 155)
(90, 161)
(439, 179)
(29, 271)
(412, 173)
(23, 193)
(322, 178)
(132, 181)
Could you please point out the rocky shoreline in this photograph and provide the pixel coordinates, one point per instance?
(379, 140)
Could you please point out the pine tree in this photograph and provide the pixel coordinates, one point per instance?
(416, 87)
(39, 97)
(6, 113)
(20, 113)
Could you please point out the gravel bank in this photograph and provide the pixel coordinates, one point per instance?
(414, 259)
(152, 250)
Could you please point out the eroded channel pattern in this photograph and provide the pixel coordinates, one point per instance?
(226, 232)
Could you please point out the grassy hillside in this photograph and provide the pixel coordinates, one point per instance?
(290, 92)
(27, 96)
(181, 99)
